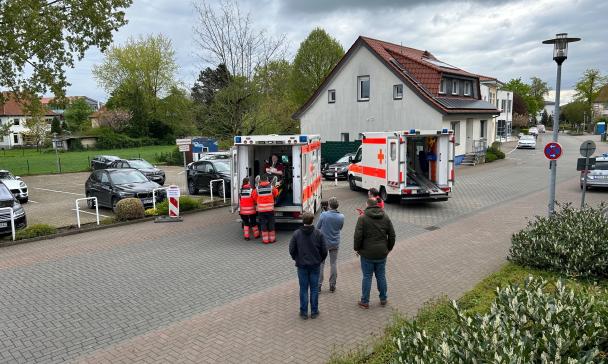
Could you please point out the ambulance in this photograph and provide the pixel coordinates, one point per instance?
(300, 156)
(405, 165)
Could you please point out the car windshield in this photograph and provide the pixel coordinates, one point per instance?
(124, 177)
(6, 175)
(5, 194)
(221, 167)
(602, 165)
(344, 159)
(527, 137)
(140, 164)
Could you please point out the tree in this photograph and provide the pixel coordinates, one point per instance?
(538, 90)
(209, 82)
(574, 111)
(525, 92)
(520, 120)
(588, 87)
(77, 114)
(144, 64)
(176, 112)
(519, 105)
(227, 36)
(5, 131)
(544, 119)
(56, 126)
(36, 124)
(41, 38)
(316, 57)
(116, 119)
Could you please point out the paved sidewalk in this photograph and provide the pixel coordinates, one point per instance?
(264, 327)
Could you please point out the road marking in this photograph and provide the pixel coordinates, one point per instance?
(514, 149)
(90, 213)
(69, 193)
(32, 201)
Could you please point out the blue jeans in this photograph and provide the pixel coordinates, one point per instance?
(309, 281)
(370, 267)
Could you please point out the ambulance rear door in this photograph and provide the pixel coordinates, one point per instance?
(234, 178)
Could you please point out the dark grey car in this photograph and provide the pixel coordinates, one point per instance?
(102, 161)
(151, 172)
(112, 185)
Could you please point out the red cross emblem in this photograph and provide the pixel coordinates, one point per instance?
(380, 156)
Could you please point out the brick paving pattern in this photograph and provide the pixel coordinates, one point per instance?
(195, 292)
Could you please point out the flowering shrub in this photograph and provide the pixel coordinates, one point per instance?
(529, 324)
(129, 209)
(572, 241)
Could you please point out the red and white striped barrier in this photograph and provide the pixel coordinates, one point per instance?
(173, 197)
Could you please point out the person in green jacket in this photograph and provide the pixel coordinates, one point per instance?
(374, 239)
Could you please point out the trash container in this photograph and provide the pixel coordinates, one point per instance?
(604, 137)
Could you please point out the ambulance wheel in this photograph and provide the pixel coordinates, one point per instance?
(383, 194)
(352, 184)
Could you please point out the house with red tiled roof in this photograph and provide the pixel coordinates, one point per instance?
(380, 86)
(12, 113)
(600, 104)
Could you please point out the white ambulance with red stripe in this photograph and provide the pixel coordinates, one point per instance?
(405, 165)
(300, 185)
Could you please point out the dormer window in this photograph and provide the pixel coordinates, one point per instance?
(454, 87)
(331, 96)
(442, 86)
(468, 88)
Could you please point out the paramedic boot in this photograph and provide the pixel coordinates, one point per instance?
(265, 237)
(272, 237)
(256, 232)
(246, 232)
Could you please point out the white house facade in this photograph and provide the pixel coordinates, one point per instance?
(502, 124)
(12, 114)
(379, 86)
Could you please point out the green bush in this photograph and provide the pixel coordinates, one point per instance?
(530, 324)
(109, 139)
(572, 241)
(34, 231)
(497, 152)
(490, 157)
(173, 158)
(129, 209)
(524, 130)
(186, 203)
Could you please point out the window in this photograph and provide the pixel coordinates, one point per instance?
(455, 125)
(331, 96)
(358, 156)
(398, 91)
(454, 87)
(482, 127)
(509, 106)
(442, 86)
(504, 105)
(393, 151)
(104, 178)
(16, 122)
(208, 168)
(363, 88)
(344, 137)
(16, 138)
(468, 88)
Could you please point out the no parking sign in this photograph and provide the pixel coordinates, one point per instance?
(553, 151)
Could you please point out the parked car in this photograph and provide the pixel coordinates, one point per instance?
(597, 175)
(151, 172)
(341, 167)
(215, 155)
(7, 199)
(102, 161)
(14, 183)
(533, 131)
(112, 185)
(201, 173)
(541, 128)
(527, 141)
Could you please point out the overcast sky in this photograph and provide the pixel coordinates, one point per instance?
(495, 38)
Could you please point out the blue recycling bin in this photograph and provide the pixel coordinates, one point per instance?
(600, 128)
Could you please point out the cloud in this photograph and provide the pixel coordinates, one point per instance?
(326, 6)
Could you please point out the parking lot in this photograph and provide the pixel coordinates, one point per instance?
(52, 197)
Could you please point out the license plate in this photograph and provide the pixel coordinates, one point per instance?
(146, 201)
(3, 224)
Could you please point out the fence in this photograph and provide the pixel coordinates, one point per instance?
(332, 151)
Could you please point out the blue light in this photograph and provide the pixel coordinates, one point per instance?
(445, 131)
(237, 139)
(412, 131)
(303, 139)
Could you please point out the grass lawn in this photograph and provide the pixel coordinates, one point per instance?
(437, 315)
(29, 161)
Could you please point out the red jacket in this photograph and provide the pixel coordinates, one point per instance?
(247, 202)
(264, 196)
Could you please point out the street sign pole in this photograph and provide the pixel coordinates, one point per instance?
(587, 149)
(585, 181)
(553, 163)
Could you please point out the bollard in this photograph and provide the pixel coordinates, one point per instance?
(335, 177)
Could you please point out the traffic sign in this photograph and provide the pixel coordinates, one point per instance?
(184, 147)
(553, 151)
(173, 196)
(183, 141)
(587, 148)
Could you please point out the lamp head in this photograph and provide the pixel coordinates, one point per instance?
(560, 46)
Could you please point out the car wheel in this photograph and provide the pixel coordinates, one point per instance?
(192, 190)
(90, 203)
(352, 184)
(383, 194)
(114, 203)
(220, 190)
(24, 200)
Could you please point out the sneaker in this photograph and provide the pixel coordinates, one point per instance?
(383, 302)
(314, 315)
(363, 305)
(319, 289)
(332, 288)
(303, 316)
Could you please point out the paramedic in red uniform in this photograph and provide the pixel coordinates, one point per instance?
(247, 211)
(264, 196)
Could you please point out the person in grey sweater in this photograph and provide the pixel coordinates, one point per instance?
(330, 223)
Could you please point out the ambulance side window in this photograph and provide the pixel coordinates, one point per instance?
(393, 151)
(357, 158)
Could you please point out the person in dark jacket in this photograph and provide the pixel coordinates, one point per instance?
(307, 247)
(374, 239)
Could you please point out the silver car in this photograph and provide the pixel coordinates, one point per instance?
(597, 175)
(527, 141)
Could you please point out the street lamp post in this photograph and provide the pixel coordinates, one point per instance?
(560, 53)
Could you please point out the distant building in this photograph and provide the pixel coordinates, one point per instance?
(600, 104)
(12, 113)
(491, 92)
(48, 101)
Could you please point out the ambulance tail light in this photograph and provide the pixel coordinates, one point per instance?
(446, 189)
(406, 191)
(296, 215)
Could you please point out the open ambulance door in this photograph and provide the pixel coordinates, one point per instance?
(393, 164)
(234, 180)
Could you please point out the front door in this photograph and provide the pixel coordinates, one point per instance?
(469, 145)
(392, 164)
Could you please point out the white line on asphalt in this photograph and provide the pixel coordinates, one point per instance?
(69, 193)
(33, 201)
(182, 172)
(90, 213)
(514, 149)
